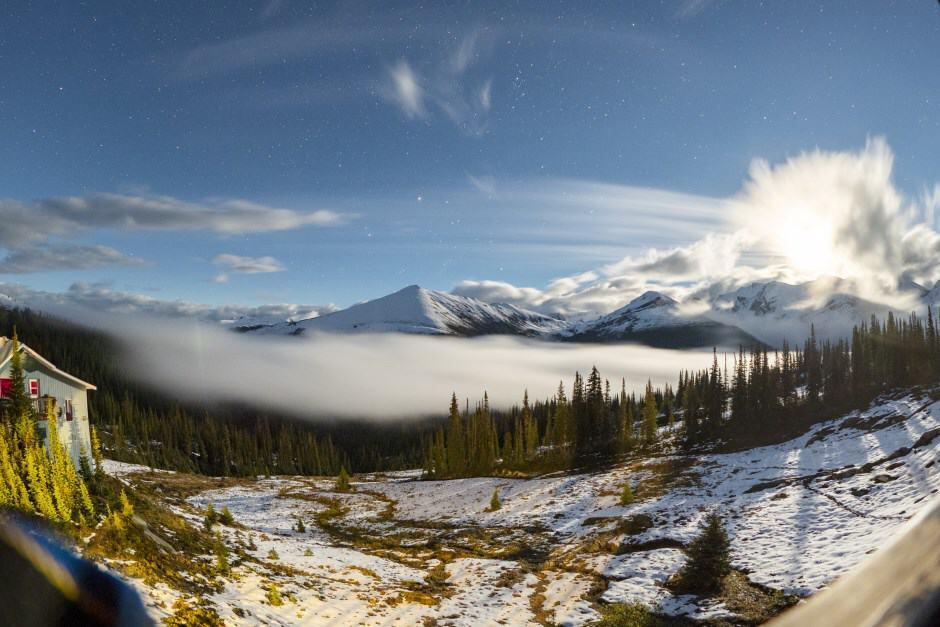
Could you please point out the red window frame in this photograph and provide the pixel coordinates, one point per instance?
(34, 388)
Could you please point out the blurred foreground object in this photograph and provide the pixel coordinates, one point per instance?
(43, 584)
(899, 585)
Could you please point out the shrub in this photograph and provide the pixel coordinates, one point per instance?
(495, 503)
(211, 518)
(200, 613)
(127, 509)
(226, 518)
(273, 596)
(222, 566)
(626, 615)
(626, 495)
(342, 481)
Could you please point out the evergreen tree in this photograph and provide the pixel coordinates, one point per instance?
(456, 449)
(530, 429)
(19, 402)
(342, 481)
(222, 565)
(709, 558)
(96, 454)
(626, 494)
(225, 517)
(210, 518)
(127, 508)
(650, 412)
(495, 503)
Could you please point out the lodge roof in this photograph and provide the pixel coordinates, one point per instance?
(6, 353)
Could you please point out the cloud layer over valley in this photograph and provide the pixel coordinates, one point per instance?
(373, 376)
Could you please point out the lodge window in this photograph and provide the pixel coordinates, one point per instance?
(68, 409)
(34, 388)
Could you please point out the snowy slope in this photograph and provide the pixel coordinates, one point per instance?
(800, 514)
(655, 319)
(415, 309)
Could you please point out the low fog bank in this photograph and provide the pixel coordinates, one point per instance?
(370, 375)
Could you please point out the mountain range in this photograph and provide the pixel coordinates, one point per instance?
(761, 312)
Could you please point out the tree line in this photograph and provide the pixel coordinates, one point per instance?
(745, 399)
(590, 428)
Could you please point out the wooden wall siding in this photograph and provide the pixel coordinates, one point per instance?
(74, 434)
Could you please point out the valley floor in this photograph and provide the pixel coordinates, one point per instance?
(398, 551)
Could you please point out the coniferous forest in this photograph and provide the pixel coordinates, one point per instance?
(752, 397)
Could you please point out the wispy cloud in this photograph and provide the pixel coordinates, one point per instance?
(236, 264)
(298, 42)
(486, 97)
(85, 300)
(64, 257)
(129, 212)
(692, 8)
(32, 232)
(485, 184)
(447, 85)
(405, 90)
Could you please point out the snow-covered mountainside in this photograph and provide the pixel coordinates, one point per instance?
(767, 312)
(415, 309)
(656, 320)
(561, 549)
(774, 311)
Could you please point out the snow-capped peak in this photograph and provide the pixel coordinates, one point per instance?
(648, 300)
(415, 309)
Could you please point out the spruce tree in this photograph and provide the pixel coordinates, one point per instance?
(19, 404)
(530, 429)
(456, 450)
(709, 558)
(650, 412)
(96, 455)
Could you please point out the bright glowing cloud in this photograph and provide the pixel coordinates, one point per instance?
(818, 214)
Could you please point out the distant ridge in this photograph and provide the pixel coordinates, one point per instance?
(764, 312)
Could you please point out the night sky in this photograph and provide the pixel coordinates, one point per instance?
(289, 152)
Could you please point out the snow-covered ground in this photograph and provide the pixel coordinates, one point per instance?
(396, 550)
